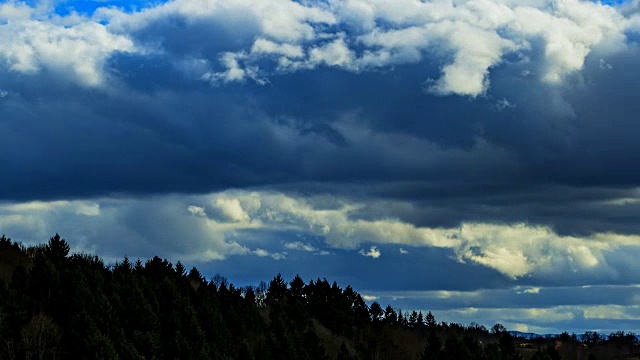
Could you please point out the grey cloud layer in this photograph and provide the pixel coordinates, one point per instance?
(128, 89)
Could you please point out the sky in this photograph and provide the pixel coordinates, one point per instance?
(478, 159)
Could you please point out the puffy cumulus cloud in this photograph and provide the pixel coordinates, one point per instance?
(373, 252)
(570, 32)
(478, 34)
(264, 46)
(231, 209)
(280, 20)
(469, 37)
(31, 42)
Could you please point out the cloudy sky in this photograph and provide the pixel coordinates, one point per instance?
(476, 158)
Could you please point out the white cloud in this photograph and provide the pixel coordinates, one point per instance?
(532, 290)
(234, 72)
(474, 35)
(369, 297)
(279, 20)
(264, 46)
(403, 251)
(88, 209)
(475, 51)
(554, 314)
(29, 43)
(511, 262)
(231, 208)
(299, 246)
(616, 312)
(335, 53)
(78, 207)
(261, 252)
(197, 211)
(15, 11)
(264, 253)
(372, 253)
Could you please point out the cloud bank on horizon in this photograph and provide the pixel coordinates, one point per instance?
(491, 142)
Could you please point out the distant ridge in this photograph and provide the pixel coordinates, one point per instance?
(529, 335)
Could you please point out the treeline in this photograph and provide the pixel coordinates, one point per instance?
(590, 345)
(57, 305)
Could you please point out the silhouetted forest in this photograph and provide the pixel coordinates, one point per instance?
(57, 305)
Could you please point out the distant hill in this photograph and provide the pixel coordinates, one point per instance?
(528, 335)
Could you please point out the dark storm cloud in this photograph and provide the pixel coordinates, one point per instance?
(163, 129)
(160, 131)
(190, 140)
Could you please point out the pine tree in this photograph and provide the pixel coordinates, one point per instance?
(57, 248)
(431, 321)
(376, 311)
(296, 289)
(277, 290)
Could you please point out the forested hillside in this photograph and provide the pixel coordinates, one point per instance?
(58, 305)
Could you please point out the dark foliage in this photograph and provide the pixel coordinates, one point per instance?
(57, 305)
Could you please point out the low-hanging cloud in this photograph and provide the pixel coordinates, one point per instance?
(513, 249)
(216, 223)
